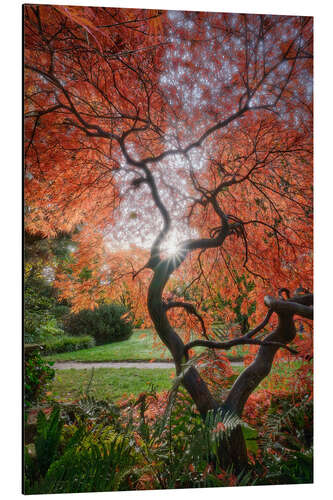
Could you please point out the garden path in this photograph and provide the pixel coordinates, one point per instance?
(66, 365)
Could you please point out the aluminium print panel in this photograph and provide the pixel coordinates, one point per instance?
(168, 249)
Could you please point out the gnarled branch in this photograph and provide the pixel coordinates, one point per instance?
(190, 309)
(231, 343)
(301, 305)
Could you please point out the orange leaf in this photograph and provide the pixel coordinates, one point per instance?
(125, 315)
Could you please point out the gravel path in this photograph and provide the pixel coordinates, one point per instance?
(66, 365)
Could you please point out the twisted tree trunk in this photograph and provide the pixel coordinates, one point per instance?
(192, 381)
(232, 451)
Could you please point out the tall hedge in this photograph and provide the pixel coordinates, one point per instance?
(104, 323)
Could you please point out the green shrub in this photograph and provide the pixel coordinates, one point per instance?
(68, 344)
(42, 312)
(47, 440)
(49, 331)
(287, 443)
(177, 446)
(37, 314)
(37, 376)
(105, 324)
(102, 449)
(79, 459)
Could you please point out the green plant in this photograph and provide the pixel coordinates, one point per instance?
(105, 323)
(178, 446)
(290, 423)
(68, 344)
(37, 313)
(99, 449)
(88, 407)
(48, 446)
(37, 376)
(288, 467)
(102, 466)
(47, 439)
(87, 458)
(42, 312)
(287, 443)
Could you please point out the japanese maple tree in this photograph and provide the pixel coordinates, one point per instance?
(178, 147)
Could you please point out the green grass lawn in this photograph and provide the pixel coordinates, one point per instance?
(113, 383)
(139, 347)
(142, 346)
(108, 383)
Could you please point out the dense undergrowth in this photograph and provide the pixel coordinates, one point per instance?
(156, 440)
(159, 441)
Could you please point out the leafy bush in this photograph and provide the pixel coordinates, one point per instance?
(287, 443)
(37, 376)
(49, 331)
(68, 344)
(47, 439)
(102, 449)
(42, 312)
(77, 459)
(105, 323)
(176, 445)
(290, 467)
(154, 442)
(37, 314)
(102, 412)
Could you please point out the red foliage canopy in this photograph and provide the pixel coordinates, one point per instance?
(147, 130)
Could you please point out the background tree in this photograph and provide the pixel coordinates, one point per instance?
(189, 134)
